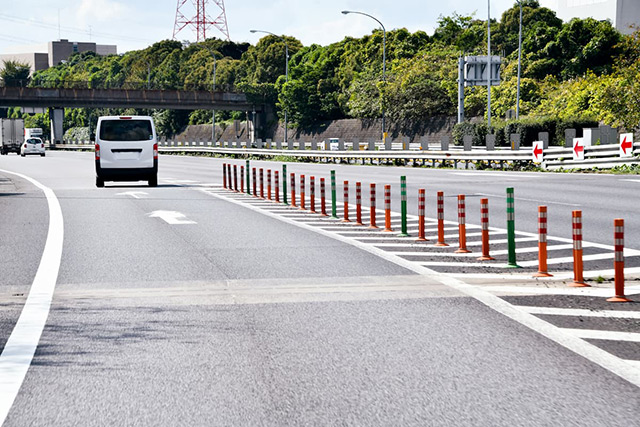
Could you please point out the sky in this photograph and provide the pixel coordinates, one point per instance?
(28, 25)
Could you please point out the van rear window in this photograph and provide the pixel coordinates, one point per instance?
(126, 130)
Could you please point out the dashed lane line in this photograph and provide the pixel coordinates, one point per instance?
(554, 311)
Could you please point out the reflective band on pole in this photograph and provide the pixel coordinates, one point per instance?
(421, 209)
(542, 243)
(387, 208)
(323, 202)
(261, 183)
(511, 229)
(293, 190)
(334, 201)
(224, 175)
(403, 207)
(235, 178)
(303, 202)
(440, 204)
(242, 179)
(359, 203)
(484, 221)
(346, 202)
(312, 192)
(269, 184)
(578, 278)
(255, 183)
(372, 207)
(277, 185)
(618, 263)
(284, 184)
(462, 226)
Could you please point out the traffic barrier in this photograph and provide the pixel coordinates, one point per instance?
(542, 243)
(334, 201)
(346, 202)
(248, 176)
(323, 202)
(387, 209)
(235, 178)
(255, 183)
(484, 221)
(421, 208)
(261, 183)
(284, 184)
(277, 185)
(302, 193)
(312, 193)
(359, 203)
(242, 179)
(578, 278)
(372, 207)
(268, 184)
(618, 262)
(229, 181)
(293, 190)
(511, 229)
(440, 204)
(403, 207)
(224, 175)
(462, 226)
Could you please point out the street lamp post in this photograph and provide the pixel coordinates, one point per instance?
(286, 54)
(384, 62)
(519, 62)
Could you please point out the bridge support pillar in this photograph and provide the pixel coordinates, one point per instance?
(57, 130)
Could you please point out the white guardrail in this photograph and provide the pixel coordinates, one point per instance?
(554, 158)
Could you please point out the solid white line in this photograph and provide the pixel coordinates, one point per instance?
(564, 260)
(610, 314)
(577, 345)
(591, 334)
(21, 345)
(590, 292)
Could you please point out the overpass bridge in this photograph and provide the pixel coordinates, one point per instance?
(57, 99)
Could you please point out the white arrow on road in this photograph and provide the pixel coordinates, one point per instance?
(134, 194)
(171, 217)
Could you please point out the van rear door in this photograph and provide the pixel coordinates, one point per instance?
(126, 143)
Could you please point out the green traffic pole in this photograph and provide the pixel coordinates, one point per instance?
(334, 209)
(511, 229)
(284, 184)
(403, 206)
(248, 178)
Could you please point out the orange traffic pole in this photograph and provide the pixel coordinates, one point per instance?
(618, 263)
(323, 201)
(269, 184)
(255, 183)
(303, 202)
(387, 209)
(224, 175)
(484, 221)
(235, 178)
(346, 202)
(312, 192)
(462, 225)
(242, 179)
(421, 207)
(261, 183)
(293, 190)
(372, 207)
(277, 185)
(441, 220)
(578, 267)
(542, 243)
(359, 203)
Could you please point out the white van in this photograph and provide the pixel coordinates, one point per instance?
(126, 150)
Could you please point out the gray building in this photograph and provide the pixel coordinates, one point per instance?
(624, 14)
(61, 50)
(36, 61)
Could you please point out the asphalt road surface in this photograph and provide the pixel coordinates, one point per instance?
(182, 305)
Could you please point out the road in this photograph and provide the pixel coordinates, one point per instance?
(188, 305)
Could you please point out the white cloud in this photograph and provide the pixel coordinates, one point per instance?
(100, 10)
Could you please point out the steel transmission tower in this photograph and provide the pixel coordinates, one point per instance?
(201, 22)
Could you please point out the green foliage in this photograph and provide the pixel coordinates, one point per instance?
(15, 73)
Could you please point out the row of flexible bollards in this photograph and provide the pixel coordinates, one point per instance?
(230, 181)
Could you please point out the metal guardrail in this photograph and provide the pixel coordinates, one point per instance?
(555, 158)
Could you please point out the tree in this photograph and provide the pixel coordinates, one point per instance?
(15, 73)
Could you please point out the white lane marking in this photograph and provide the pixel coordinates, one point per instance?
(134, 194)
(565, 260)
(590, 292)
(628, 180)
(171, 217)
(501, 175)
(557, 275)
(591, 334)
(21, 345)
(544, 202)
(554, 311)
(575, 344)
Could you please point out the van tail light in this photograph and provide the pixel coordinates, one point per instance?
(97, 151)
(42, 145)
(155, 151)
(25, 145)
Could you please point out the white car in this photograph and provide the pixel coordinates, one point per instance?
(126, 150)
(32, 146)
